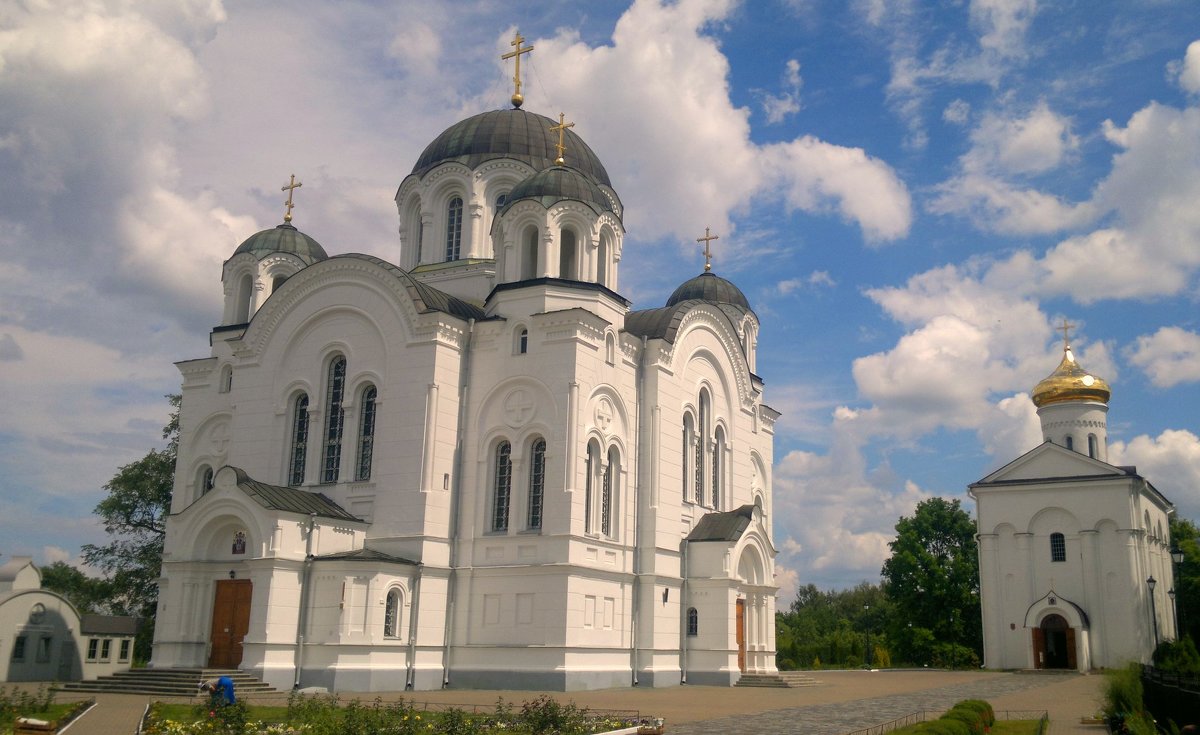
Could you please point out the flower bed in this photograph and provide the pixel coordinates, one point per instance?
(326, 715)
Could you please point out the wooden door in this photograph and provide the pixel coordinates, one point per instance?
(1039, 649)
(230, 622)
(741, 634)
(1072, 662)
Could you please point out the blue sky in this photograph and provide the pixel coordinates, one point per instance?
(911, 194)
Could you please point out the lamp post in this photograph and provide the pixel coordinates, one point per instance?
(1150, 582)
(1176, 560)
(867, 640)
(1174, 611)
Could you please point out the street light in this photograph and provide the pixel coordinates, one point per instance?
(1150, 582)
(1174, 611)
(1176, 559)
(867, 641)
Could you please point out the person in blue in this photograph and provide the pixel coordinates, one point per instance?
(220, 691)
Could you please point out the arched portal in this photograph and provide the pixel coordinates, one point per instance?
(1054, 643)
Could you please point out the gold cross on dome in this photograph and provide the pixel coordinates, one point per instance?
(517, 99)
(561, 129)
(1066, 330)
(289, 188)
(707, 239)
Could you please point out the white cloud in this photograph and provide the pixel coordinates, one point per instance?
(1169, 357)
(1031, 144)
(1171, 461)
(1187, 71)
(1002, 25)
(779, 106)
(957, 112)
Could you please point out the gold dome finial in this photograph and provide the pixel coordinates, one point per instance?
(1070, 382)
(561, 129)
(707, 250)
(289, 188)
(517, 98)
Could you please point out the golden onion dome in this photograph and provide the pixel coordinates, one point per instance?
(1070, 382)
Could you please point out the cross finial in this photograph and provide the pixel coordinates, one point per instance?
(707, 249)
(1066, 330)
(517, 99)
(289, 188)
(561, 129)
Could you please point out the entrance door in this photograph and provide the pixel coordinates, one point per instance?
(1057, 650)
(741, 634)
(230, 622)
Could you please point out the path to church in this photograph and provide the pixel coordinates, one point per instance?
(844, 701)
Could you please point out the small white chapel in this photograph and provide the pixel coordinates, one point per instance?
(476, 466)
(1074, 553)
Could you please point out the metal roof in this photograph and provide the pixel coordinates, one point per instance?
(427, 297)
(284, 238)
(709, 287)
(291, 499)
(559, 183)
(90, 624)
(516, 134)
(370, 555)
(723, 526)
(663, 323)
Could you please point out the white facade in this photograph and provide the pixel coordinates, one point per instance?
(1067, 543)
(478, 468)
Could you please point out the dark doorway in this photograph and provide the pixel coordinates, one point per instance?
(1054, 643)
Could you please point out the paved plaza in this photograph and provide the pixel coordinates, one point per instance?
(844, 701)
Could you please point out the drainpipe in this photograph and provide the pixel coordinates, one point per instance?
(302, 619)
(455, 493)
(636, 597)
(412, 631)
(683, 597)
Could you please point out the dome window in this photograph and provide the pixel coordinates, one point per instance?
(501, 200)
(454, 219)
(529, 259)
(245, 291)
(566, 258)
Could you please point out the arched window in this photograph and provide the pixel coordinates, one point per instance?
(1070, 442)
(610, 349)
(522, 341)
(501, 200)
(592, 476)
(299, 440)
(276, 282)
(689, 456)
(454, 224)
(206, 479)
(366, 433)
(602, 261)
(1093, 447)
(537, 482)
(529, 261)
(718, 467)
(226, 384)
(245, 292)
(1058, 547)
(693, 621)
(609, 491)
(391, 614)
(701, 446)
(502, 489)
(566, 254)
(420, 234)
(335, 417)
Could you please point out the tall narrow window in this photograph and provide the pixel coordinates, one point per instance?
(366, 434)
(522, 341)
(335, 417)
(566, 254)
(502, 495)
(537, 482)
(206, 480)
(693, 621)
(391, 614)
(1093, 447)
(454, 217)
(589, 493)
(718, 467)
(606, 499)
(1058, 547)
(689, 457)
(1070, 442)
(299, 440)
(529, 259)
(602, 261)
(226, 384)
(245, 293)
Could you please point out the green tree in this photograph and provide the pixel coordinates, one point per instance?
(135, 513)
(87, 594)
(1185, 536)
(831, 628)
(932, 579)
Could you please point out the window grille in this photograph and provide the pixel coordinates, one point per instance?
(366, 434)
(503, 487)
(335, 394)
(299, 440)
(537, 482)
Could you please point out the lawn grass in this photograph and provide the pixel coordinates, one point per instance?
(1015, 727)
(187, 712)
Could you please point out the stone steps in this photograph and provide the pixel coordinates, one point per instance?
(165, 682)
(781, 680)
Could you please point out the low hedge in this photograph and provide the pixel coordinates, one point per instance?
(968, 717)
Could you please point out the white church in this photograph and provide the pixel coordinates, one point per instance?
(1074, 553)
(477, 466)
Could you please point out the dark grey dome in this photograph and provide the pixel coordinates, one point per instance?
(284, 238)
(712, 288)
(556, 184)
(524, 136)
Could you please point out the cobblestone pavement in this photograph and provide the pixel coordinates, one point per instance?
(843, 717)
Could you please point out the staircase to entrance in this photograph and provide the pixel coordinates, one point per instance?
(165, 682)
(781, 680)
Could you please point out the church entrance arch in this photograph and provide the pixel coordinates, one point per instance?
(1054, 643)
(230, 622)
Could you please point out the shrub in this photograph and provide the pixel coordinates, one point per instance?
(945, 727)
(1178, 657)
(954, 656)
(968, 717)
(986, 713)
(546, 715)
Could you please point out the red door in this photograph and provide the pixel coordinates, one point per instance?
(741, 634)
(230, 622)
